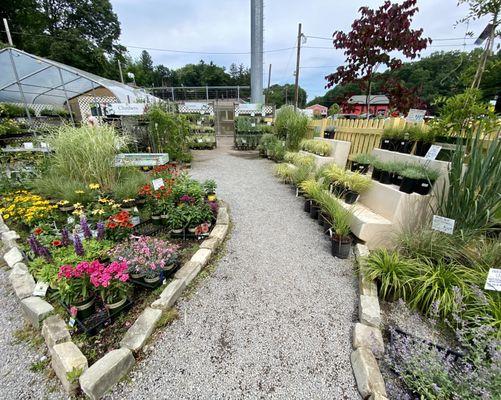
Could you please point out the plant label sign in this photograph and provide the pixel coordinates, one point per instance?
(28, 145)
(493, 281)
(443, 224)
(415, 115)
(40, 289)
(432, 153)
(157, 183)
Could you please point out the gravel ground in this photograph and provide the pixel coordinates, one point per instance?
(17, 382)
(274, 320)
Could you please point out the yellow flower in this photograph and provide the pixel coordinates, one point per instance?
(6, 216)
(77, 205)
(79, 191)
(94, 186)
(103, 200)
(128, 200)
(63, 202)
(115, 206)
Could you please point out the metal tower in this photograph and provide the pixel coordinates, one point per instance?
(257, 51)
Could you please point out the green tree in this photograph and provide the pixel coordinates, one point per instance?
(334, 109)
(280, 95)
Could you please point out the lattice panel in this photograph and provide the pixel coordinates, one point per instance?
(269, 111)
(186, 109)
(37, 108)
(84, 103)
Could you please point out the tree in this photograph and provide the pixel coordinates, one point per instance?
(334, 109)
(280, 95)
(479, 9)
(373, 36)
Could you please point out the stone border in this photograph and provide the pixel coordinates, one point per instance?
(367, 337)
(66, 357)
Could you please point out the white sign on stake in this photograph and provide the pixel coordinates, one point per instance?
(415, 115)
(493, 281)
(432, 153)
(28, 145)
(40, 289)
(44, 145)
(443, 224)
(157, 183)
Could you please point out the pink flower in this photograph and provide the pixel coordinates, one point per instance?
(73, 311)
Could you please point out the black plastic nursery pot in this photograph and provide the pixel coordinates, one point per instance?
(354, 166)
(376, 173)
(404, 146)
(320, 218)
(307, 205)
(327, 226)
(386, 144)
(337, 189)
(385, 177)
(396, 179)
(423, 186)
(351, 197)
(360, 167)
(340, 247)
(86, 307)
(408, 185)
(314, 209)
(422, 148)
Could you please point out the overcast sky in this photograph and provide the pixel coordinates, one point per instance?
(224, 26)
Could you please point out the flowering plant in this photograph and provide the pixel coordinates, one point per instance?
(25, 207)
(111, 280)
(119, 226)
(74, 282)
(146, 255)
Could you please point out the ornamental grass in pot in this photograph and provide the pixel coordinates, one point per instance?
(425, 184)
(390, 139)
(341, 239)
(356, 184)
(309, 187)
(411, 178)
(387, 170)
(361, 162)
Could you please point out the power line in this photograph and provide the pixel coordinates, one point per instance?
(435, 40)
(166, 50)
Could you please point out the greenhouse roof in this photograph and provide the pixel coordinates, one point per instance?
(45, 81)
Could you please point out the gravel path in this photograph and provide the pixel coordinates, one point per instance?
(274, 320)
(16, 357)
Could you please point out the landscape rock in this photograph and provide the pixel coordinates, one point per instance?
(18, 269)
(378, 396)
(22, 283)
(367, 287)
(202, 256)
(210, 243)
(54, 331)
(10, 235)
(36, 310)
(188, 271)
(169, 295)
(369, 311)
(219, 232)
(222, 216)
(141, 330)
(106, 372)
(67, 359)
(13, 256)
(367, 373)
(369, 337)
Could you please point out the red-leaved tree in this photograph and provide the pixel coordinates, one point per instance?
(402, 98)
(372, 37)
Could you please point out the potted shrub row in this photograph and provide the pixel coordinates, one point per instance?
(346, 184)
(403, 140)
(318, 147)
(361, 162)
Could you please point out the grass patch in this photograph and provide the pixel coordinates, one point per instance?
(27, 334)
(40, 366)
(168, 317)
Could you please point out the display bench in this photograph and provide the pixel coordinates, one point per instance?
(141, 159)
(340, 150)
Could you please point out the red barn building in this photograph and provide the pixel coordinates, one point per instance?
(318, 110)
(379, 105)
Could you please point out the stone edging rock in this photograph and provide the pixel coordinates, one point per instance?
(66, 358)
(368, 341)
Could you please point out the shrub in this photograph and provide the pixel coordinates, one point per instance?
(363, 158)
(318, 147)
(291, 126)
(285, 172)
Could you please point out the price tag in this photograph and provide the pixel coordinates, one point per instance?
(253, 124)
(268, 123)
(44, 145)
(493, 281)
(157, 183)
(432, 153)
(40, 289)
(135, 220)
(443, 224)
(297, 192)
(72, 322)
(28, 145)
(70, 220)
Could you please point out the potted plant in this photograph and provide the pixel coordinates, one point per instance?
(341, 239)
(390, 139)
(396, 176)
(361, 162)
(357, 184)
(112, 283)
(405, 144)
(376, 169)
(75, 289)
(387, 169)
(176, 220)
(425, 184)
(411, 178)
(424, 137)
(210, 189)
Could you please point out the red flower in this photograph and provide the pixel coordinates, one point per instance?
(112, 225)
(57, 243)
(38, 231)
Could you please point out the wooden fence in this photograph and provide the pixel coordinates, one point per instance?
(363, 134)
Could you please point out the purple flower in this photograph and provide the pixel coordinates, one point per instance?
(100, 230)
(65, 237)
(214, 207)
(85, 227)
(45, 253)
(185, 198)
(34, 245)
(79, 250)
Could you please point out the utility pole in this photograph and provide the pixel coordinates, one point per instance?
(120, 70)
(256, 51)
(298, 57)
(269, 81)
(7, 30)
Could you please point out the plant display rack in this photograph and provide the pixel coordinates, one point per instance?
(251, 122)
(201, 118)
(340, 150)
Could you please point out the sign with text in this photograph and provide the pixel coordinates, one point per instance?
(28, 145)
(493, 281)
(202, 108)
(443, 224)
(125, 109)
(157, 183)
(415, 115)
(432, 153)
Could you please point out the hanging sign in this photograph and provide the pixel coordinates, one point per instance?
(432, 153)
(415, 115)
(157, 183)
(251, 108)
(125, 109)
(493, 281)
(443, 224)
